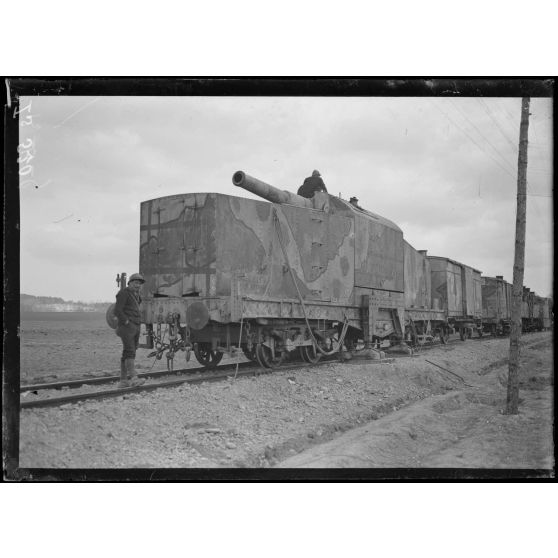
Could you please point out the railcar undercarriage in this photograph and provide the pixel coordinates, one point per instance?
(271, 341)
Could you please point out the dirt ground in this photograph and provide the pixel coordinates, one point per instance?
(407, 413)
(74, 346)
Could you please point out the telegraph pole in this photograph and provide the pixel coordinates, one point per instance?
(512, 402)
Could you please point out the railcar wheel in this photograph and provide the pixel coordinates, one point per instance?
(310, 354)
(444, 335)
(206, 356)
(265, 357)
(250, 354)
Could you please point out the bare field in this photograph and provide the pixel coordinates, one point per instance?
(62, 345)
(408, 413)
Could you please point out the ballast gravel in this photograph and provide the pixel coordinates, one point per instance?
(249, 421)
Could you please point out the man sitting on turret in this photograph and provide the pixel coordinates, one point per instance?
(311, 185)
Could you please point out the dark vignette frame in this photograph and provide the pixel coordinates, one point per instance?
(197, 86)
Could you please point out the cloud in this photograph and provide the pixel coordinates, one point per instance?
(442, 169)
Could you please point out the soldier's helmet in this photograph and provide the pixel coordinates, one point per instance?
(315, 173)
(136, 277)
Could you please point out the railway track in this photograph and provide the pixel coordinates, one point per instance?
(111, 379)
(191, 376)
(222, 373)
(115, 392)
(92, 381)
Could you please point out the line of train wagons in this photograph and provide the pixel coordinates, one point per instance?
(483, 304)
(224, 272)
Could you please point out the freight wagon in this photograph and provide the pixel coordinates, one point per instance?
(541, 318)
(456, 289)
(496, 305)
(527, 309)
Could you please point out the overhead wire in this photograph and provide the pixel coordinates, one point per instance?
(515, 124)
(512, 167)
(486, 152)
(493, 118)
(538, 151)
(473, 140)
(536, 144)
(540, 220)
(529, 194)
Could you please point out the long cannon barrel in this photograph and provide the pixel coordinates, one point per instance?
(267, 191)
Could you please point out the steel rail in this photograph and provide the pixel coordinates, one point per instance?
(109, 379)
(99, 380)
(250, 369)
(211, 377)
(58, 401)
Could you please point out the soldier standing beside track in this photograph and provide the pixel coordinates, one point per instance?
(127, 310)
(311, 185)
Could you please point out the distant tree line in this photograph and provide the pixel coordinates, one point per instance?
(31, 303)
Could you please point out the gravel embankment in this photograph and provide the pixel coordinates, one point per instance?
(247, 422)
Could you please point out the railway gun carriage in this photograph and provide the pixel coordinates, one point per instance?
(496, 305)
(456, 288)
(288, 275)
(294, 276)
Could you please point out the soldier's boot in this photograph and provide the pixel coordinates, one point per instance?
(132, 374)
(124, 383)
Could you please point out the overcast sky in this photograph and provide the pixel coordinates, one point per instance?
(444, 170)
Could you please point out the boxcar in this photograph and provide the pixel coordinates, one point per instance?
(541, 313)
(456, 288)
(527, 310)
(424, 319)
(496, 305)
